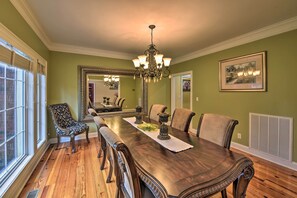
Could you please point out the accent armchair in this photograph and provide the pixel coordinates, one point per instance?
(65, 125)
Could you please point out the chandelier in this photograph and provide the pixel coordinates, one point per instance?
(111, 81)
(152, 65)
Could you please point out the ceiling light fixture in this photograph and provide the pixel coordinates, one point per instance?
(111, 81)
(150, 65)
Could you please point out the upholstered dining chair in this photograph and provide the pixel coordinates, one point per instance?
(65, 125)
(155, 110)
(127, 179)
(121, 102)
(117, 101)
(217, 129)
(106, 149)
(181, 119)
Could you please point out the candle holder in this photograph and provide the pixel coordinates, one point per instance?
(138, 116)
(163, 128)
(104, 100)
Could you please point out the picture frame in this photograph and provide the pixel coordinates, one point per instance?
(186, 85)
(243, 73)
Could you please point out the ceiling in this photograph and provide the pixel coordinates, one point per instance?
(120, 28)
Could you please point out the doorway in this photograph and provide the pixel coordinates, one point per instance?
(181, 90)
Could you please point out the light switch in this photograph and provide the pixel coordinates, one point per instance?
(197, 99)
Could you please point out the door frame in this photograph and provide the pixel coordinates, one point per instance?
(190, 72)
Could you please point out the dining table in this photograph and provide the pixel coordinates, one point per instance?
(104, 107)
(200, 171)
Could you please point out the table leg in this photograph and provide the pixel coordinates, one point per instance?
(241, 183)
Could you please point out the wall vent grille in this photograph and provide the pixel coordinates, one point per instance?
(271, 134)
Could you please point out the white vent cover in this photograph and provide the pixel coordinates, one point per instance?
(271, 134)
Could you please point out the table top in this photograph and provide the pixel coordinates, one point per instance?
(102, 107)
(202, 170)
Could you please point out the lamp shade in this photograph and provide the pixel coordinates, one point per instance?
(166, 61)
(136, 62)
(158, 58)
(142, 59)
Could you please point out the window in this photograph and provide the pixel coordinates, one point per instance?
(41, 103)
(14, 87)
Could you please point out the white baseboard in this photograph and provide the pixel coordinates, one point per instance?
(78, 137)
(277, 160)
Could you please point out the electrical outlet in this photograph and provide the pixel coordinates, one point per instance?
(238, 135)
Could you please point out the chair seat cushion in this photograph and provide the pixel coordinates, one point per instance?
(75, 129)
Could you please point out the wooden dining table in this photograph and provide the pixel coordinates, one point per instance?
(201, 171)
(101, 107)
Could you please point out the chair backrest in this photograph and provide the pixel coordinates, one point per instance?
(92, 112)
(61, 115)
(181, 119)
(100, 122)
(117, 101)
(155, 110)
(127, 179)
(216, 128)
(122, 102)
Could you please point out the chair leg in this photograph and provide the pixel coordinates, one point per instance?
(58, 142)
(87, 135)
(108, 180)
(224, 193)
(72, 140)
(100, 149)
(103, 147)
(99, 153)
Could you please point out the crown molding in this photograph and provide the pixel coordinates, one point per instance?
(24, 10)
(90, 51)
(268, 31)
(278, 28)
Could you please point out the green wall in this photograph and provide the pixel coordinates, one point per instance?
(11, 19)
(280, 98)
(128, 91)
(159, 93)
(63, 78)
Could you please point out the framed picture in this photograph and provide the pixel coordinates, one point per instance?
(244, 73)
(186, 85)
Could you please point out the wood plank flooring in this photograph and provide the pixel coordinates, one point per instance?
(62, 174)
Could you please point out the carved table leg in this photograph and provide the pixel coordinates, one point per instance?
(241, 183)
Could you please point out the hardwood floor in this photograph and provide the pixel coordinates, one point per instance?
(62, 174)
